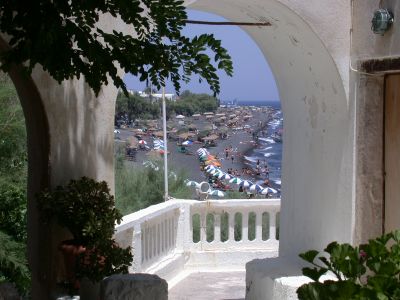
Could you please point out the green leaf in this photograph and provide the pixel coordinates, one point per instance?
(309, 256)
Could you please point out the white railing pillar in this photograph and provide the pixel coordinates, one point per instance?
(217, 228)
(259, 226)
(137, 248)
(203, 227)
(272, 225)
(231, 222)
(245, 226)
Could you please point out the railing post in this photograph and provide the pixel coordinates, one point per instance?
(231, 237)
(137, 248)
(203, 222)
(272, 225)
(245, 226)
(217, 228)
(259, 226)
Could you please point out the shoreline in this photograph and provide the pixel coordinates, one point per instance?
(241, 141)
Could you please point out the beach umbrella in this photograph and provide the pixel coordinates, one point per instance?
(209, 167)
(142, 142)
(268, 190)
(235, 180)
(187, 143)
(217, 193)
(213, 171)
(192, 183)
(218, 174)
(246, 183)
(226, 177)
(256, 188)
(221, 175)
(200, 150)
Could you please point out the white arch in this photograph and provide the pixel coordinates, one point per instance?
(312, 81)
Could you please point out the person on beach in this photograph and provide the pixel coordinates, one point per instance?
(226, 153)
(232, 158)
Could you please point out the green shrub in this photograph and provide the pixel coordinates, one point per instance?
(370, 271)
(13, 264)
(139, 187)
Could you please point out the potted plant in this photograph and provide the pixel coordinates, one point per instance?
(369, 271)
(86, 208)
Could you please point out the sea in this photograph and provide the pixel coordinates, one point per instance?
(267, 150)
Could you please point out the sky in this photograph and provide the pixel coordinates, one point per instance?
(252, 79)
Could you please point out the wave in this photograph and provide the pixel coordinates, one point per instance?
(268, 140)
(251, 158)
(277, 181)
(268, 154)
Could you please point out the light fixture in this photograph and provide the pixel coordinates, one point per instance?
(382, 21)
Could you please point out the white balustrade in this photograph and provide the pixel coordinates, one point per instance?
(169, 237)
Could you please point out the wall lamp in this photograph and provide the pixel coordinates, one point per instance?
(382, 21)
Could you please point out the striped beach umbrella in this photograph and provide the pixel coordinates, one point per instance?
(256, 188)
(221, 175)
(246, 183)
(268, 190)
(218, 174)
(226, 177)
(209, 167)
(235, 180)
(212, 170)
(217, 193)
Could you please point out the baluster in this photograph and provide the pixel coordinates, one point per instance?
(147, 242)
(245, 226)
(217, 228)
(231, 219)
(259, 226)
(137, 247)
(203, 227)
(164, 244)
(171, 236)
(272, 226)
(158, 239)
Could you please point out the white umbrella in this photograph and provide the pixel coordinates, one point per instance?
(235, 180)
(180, 117)
(209, 167)
(211, 170)
(268, 190)
(256, 188)
(217, 193)
(218, 174)
(246, 183)
(192, 183)
(221, 175)
(226, 177)
(202, 150)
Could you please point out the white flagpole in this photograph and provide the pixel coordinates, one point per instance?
(165, 146)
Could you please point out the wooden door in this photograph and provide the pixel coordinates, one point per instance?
(392, 153)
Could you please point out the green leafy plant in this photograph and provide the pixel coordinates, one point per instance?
(81, 47)
(13, 264)
(86, 208)
(370, 271)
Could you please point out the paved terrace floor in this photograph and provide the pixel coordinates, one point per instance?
(210, 286)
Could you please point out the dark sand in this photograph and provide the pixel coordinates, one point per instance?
(241, 142)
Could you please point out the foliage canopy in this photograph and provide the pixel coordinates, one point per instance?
(66, 38)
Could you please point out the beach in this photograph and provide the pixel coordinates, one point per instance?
(247, 141)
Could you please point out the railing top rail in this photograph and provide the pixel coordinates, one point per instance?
(146, 214)
(236, 203)
(154, 211)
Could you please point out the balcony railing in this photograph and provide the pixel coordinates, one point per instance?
(187, 234)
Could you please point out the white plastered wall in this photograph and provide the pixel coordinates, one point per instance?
(309, 57)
